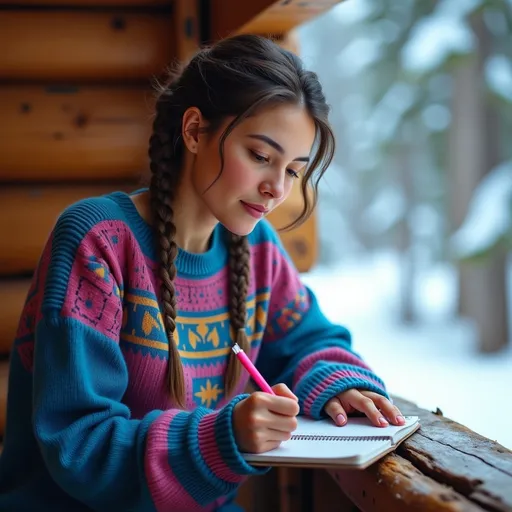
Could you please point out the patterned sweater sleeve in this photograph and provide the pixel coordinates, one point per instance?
(92, 447)
(303, 349)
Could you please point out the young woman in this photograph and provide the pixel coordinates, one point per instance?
(124, 393)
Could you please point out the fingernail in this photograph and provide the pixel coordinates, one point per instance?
(382, 421)
(400, 419)
(340, 419)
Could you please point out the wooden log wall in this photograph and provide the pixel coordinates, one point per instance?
(76, 99)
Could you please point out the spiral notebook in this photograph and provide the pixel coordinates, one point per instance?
(323, 444)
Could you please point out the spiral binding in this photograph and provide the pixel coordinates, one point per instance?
(318, 437)
(313, 437)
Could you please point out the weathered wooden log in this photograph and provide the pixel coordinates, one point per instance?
(301, 242)
(74, 133)
(443, 466)
(27, 215)
(72, 45)
(87, 3)
(395, 484)
(262, 16)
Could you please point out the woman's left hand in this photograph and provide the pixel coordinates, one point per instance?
(378, 408)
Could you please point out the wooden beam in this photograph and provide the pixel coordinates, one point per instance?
(262, 16)
(186, 23)
(79, 46)
(74, 133)
(444, 466)
(289, 41)
(395, 484)
(27, 216)
(87, 3)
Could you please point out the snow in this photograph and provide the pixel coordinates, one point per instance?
(385, 211)
(388, 113)
(436, 117)
(489, 216)
(457, 8)
(358, 55)
(433, 363)
(436, 37)
(355, 11)
(498, 74)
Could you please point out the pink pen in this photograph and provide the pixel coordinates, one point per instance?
(254, 373)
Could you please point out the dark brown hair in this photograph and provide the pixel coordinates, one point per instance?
(236, 77)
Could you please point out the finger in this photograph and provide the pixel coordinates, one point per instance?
(390, 411)
(336, 411)
(278, 435)
(281, 423)
(366, 405)
(283, 390)
(281, 405)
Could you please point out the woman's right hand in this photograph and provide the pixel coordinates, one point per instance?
(262, 421)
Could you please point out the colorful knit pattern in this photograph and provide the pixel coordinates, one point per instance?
(90, 421)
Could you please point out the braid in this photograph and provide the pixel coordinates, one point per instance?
(164, 181)
(238, 285)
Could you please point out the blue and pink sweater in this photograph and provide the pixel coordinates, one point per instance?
(90, 425)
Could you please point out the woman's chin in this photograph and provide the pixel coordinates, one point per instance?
(240, 228)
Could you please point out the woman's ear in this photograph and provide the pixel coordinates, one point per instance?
(191, 126)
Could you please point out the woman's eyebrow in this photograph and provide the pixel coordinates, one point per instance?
(276, 146)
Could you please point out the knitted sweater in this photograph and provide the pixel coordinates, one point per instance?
(90, 424)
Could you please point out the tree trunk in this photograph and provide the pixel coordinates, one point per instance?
(474, 151)
(405, 166)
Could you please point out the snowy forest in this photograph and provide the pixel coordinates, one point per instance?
(421, 96)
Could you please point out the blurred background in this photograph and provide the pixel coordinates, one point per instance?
(409, 246)
(415, 214)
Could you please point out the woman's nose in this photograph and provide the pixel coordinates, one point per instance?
(273, 188)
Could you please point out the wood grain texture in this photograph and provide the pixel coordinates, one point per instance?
(263, 16)
(74, 133)
(12, 297)
(186, 28)
(476, 467)
(302, 242)
(395, 484)
(285, 16)
(443, 466)
(82, 45)
(87, 3)
(27, 215)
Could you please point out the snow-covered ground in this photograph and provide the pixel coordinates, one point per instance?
(433, 363)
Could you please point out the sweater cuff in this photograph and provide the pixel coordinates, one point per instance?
(326, 380)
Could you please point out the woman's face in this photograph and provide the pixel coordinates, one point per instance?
(263, 156)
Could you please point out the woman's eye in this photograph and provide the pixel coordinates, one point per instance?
(258, 157)
(292, 173)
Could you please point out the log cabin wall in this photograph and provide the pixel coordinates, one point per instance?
(76, 101)
(75, 97)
